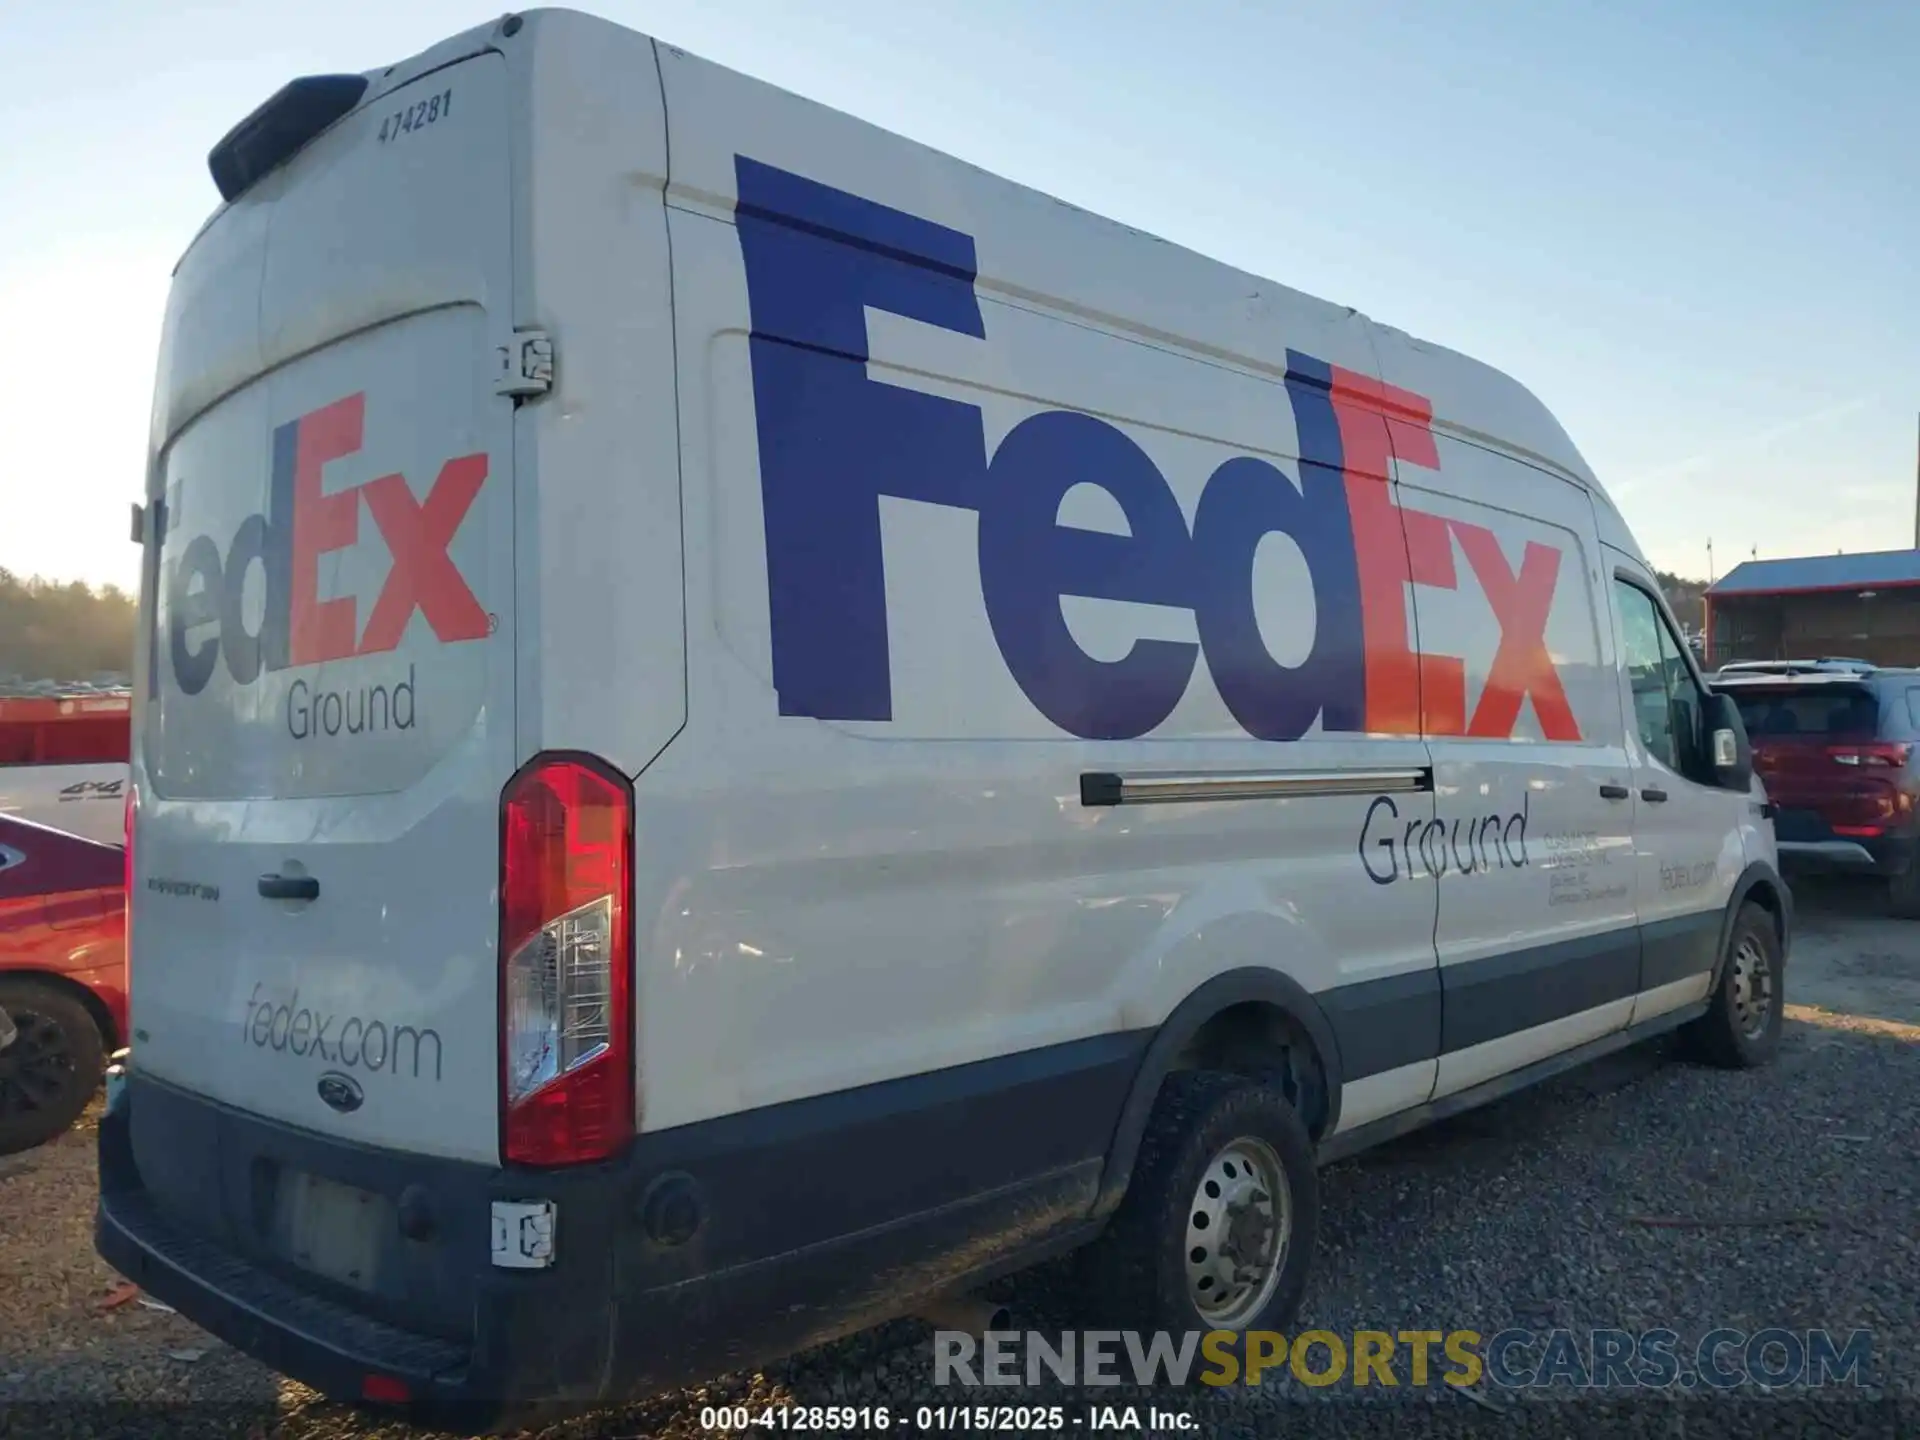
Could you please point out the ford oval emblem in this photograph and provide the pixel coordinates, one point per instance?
(341, 1092)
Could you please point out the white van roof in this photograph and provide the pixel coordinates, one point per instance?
(1101, 266)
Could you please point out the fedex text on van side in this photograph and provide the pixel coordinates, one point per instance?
(832, 442)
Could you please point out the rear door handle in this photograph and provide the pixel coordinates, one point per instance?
(1653, 796)
(1614, 792)
(289, 887)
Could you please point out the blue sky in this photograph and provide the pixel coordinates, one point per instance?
(1693, 230)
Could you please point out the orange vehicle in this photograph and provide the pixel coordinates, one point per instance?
(63, 975)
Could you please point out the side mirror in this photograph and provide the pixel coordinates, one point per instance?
(1727, 744)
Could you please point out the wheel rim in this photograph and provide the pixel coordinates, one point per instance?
(1238, 1226)
(1752, 988)
(37, 1069)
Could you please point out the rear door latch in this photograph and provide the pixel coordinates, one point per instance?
(526, 365)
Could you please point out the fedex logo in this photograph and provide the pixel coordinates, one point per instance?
(303, 522)
(833, 442)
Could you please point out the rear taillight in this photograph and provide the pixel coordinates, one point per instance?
(566, 968)
(1884, 756)
(385, 1390)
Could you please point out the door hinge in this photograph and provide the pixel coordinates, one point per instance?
(526, 365)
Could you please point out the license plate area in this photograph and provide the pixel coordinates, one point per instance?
(332, 1230)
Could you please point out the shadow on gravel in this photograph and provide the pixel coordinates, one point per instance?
(1850, 957)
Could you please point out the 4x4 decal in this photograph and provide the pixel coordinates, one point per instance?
(92, 790)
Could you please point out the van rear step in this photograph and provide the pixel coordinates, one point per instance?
(231, 1299)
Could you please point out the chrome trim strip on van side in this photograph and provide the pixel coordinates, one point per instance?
(1101, 789)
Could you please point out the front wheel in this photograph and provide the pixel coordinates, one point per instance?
(51, 1069)
(1741, 1028)
(1219, 1222)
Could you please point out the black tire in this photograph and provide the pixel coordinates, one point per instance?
(1135, 1274)
(53, 1067)
(1740, 1031)
(1903, 893)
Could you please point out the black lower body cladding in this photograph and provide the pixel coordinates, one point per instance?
(722, 1244)
(706, 1248)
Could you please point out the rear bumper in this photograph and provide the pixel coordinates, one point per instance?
(300, 1335)
(1866, 855)
(542, 1338)
(787, 1227)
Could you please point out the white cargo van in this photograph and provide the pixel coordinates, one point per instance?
(742, 724)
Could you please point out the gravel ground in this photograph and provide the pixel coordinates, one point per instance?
(1640, 1193)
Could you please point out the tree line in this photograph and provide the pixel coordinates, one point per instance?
(63, 631)
(1687, 597)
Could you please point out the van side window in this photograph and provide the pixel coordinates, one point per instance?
(1689, 707)
(1640, 628)
(1666, 698)
(1913, 706)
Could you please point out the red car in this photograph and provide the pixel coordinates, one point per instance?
(63, 975)
(1837, 744)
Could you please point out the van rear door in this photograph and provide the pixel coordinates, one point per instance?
(326, 699)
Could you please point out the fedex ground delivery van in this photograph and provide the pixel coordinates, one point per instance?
(742, 727)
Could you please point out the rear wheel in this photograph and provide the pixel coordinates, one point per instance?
(51, 1069)
(1741, 1028)
(1220, 1218)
